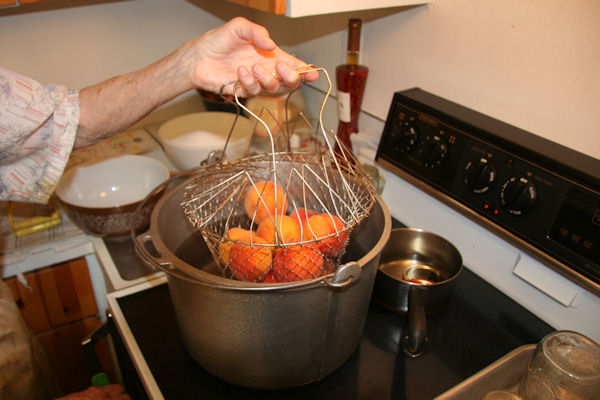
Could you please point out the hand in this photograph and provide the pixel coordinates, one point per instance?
(109, 392)
(237, 51)
(242, 51)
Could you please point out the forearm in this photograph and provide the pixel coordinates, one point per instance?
(239, 50)
(115, 104)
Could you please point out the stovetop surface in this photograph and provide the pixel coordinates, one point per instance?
(478, 326)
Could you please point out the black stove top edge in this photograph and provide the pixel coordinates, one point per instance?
(479, 326)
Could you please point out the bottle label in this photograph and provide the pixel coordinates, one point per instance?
(343, 106)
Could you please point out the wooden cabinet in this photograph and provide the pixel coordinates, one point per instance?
(271, 6)
(15, 3)
(303, 8)
(60, 309)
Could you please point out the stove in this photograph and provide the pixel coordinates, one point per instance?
(539, 195)
(479, 325)
(477, 182)
(523, 211)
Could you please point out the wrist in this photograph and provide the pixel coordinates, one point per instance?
(195, 66)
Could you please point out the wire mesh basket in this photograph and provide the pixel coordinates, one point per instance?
(281, 216)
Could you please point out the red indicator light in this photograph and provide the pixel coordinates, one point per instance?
(496, 212)
(486, 206)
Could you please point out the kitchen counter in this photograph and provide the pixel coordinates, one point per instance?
(479, 326)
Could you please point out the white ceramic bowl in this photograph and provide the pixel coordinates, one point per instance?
(102, 197)
(189, 139)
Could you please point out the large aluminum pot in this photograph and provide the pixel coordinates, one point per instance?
(267, 336)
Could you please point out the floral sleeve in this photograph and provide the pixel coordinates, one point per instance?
(38, 124)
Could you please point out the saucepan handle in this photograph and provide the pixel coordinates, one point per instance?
(416, 329)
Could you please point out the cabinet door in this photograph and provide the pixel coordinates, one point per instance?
(67, 291)
(303, 8)
(14, 2)
(30, 303)
(60, 308)
(59, 294)
(271, 6)
(63, 347)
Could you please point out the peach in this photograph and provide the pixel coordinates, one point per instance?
(288, 230)
(264, 190)
(297, 263)
(243, 235)
(329, 266)
(270, 278)
(323, 225)
(250, 262)
(302, 214)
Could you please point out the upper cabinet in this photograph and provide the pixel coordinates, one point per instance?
(271, 6)
(303, 8)
(8, 6)
(17, 2)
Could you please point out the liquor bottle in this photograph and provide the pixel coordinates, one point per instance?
(351, 79)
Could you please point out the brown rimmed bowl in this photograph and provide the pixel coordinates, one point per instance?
(102, 197)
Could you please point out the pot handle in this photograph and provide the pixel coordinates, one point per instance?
(416, 330)
(144, 241)
(345, 275)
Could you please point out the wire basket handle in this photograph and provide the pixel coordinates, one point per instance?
(344, 152)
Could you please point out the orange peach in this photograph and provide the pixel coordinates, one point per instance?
(302, 214)
(250, 262)
(261, 201)
(298, 263)
(270, 278)
(329, 266)
(323, 225)
(288, 231)
(242, 235)
(315, 227)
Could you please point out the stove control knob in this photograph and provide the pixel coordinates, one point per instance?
(518, 195)
(435, 151)
(479, 175)
(405, 136)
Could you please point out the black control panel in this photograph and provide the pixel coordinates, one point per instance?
(537, 193)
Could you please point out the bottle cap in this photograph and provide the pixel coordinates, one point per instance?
(354, 25)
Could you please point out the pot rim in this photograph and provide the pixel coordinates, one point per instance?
(453, 277)
(174, 266)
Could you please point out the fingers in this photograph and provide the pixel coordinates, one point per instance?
(250, 85)
(262, 80)
(290, 78)
(109, 392)
(265, 66)
(114, 391)
(267, 80)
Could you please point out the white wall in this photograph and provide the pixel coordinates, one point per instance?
(534, 64)
(80, 46)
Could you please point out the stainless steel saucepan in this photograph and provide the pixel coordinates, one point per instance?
(416, 275)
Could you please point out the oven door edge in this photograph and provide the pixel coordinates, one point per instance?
(125, 333)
